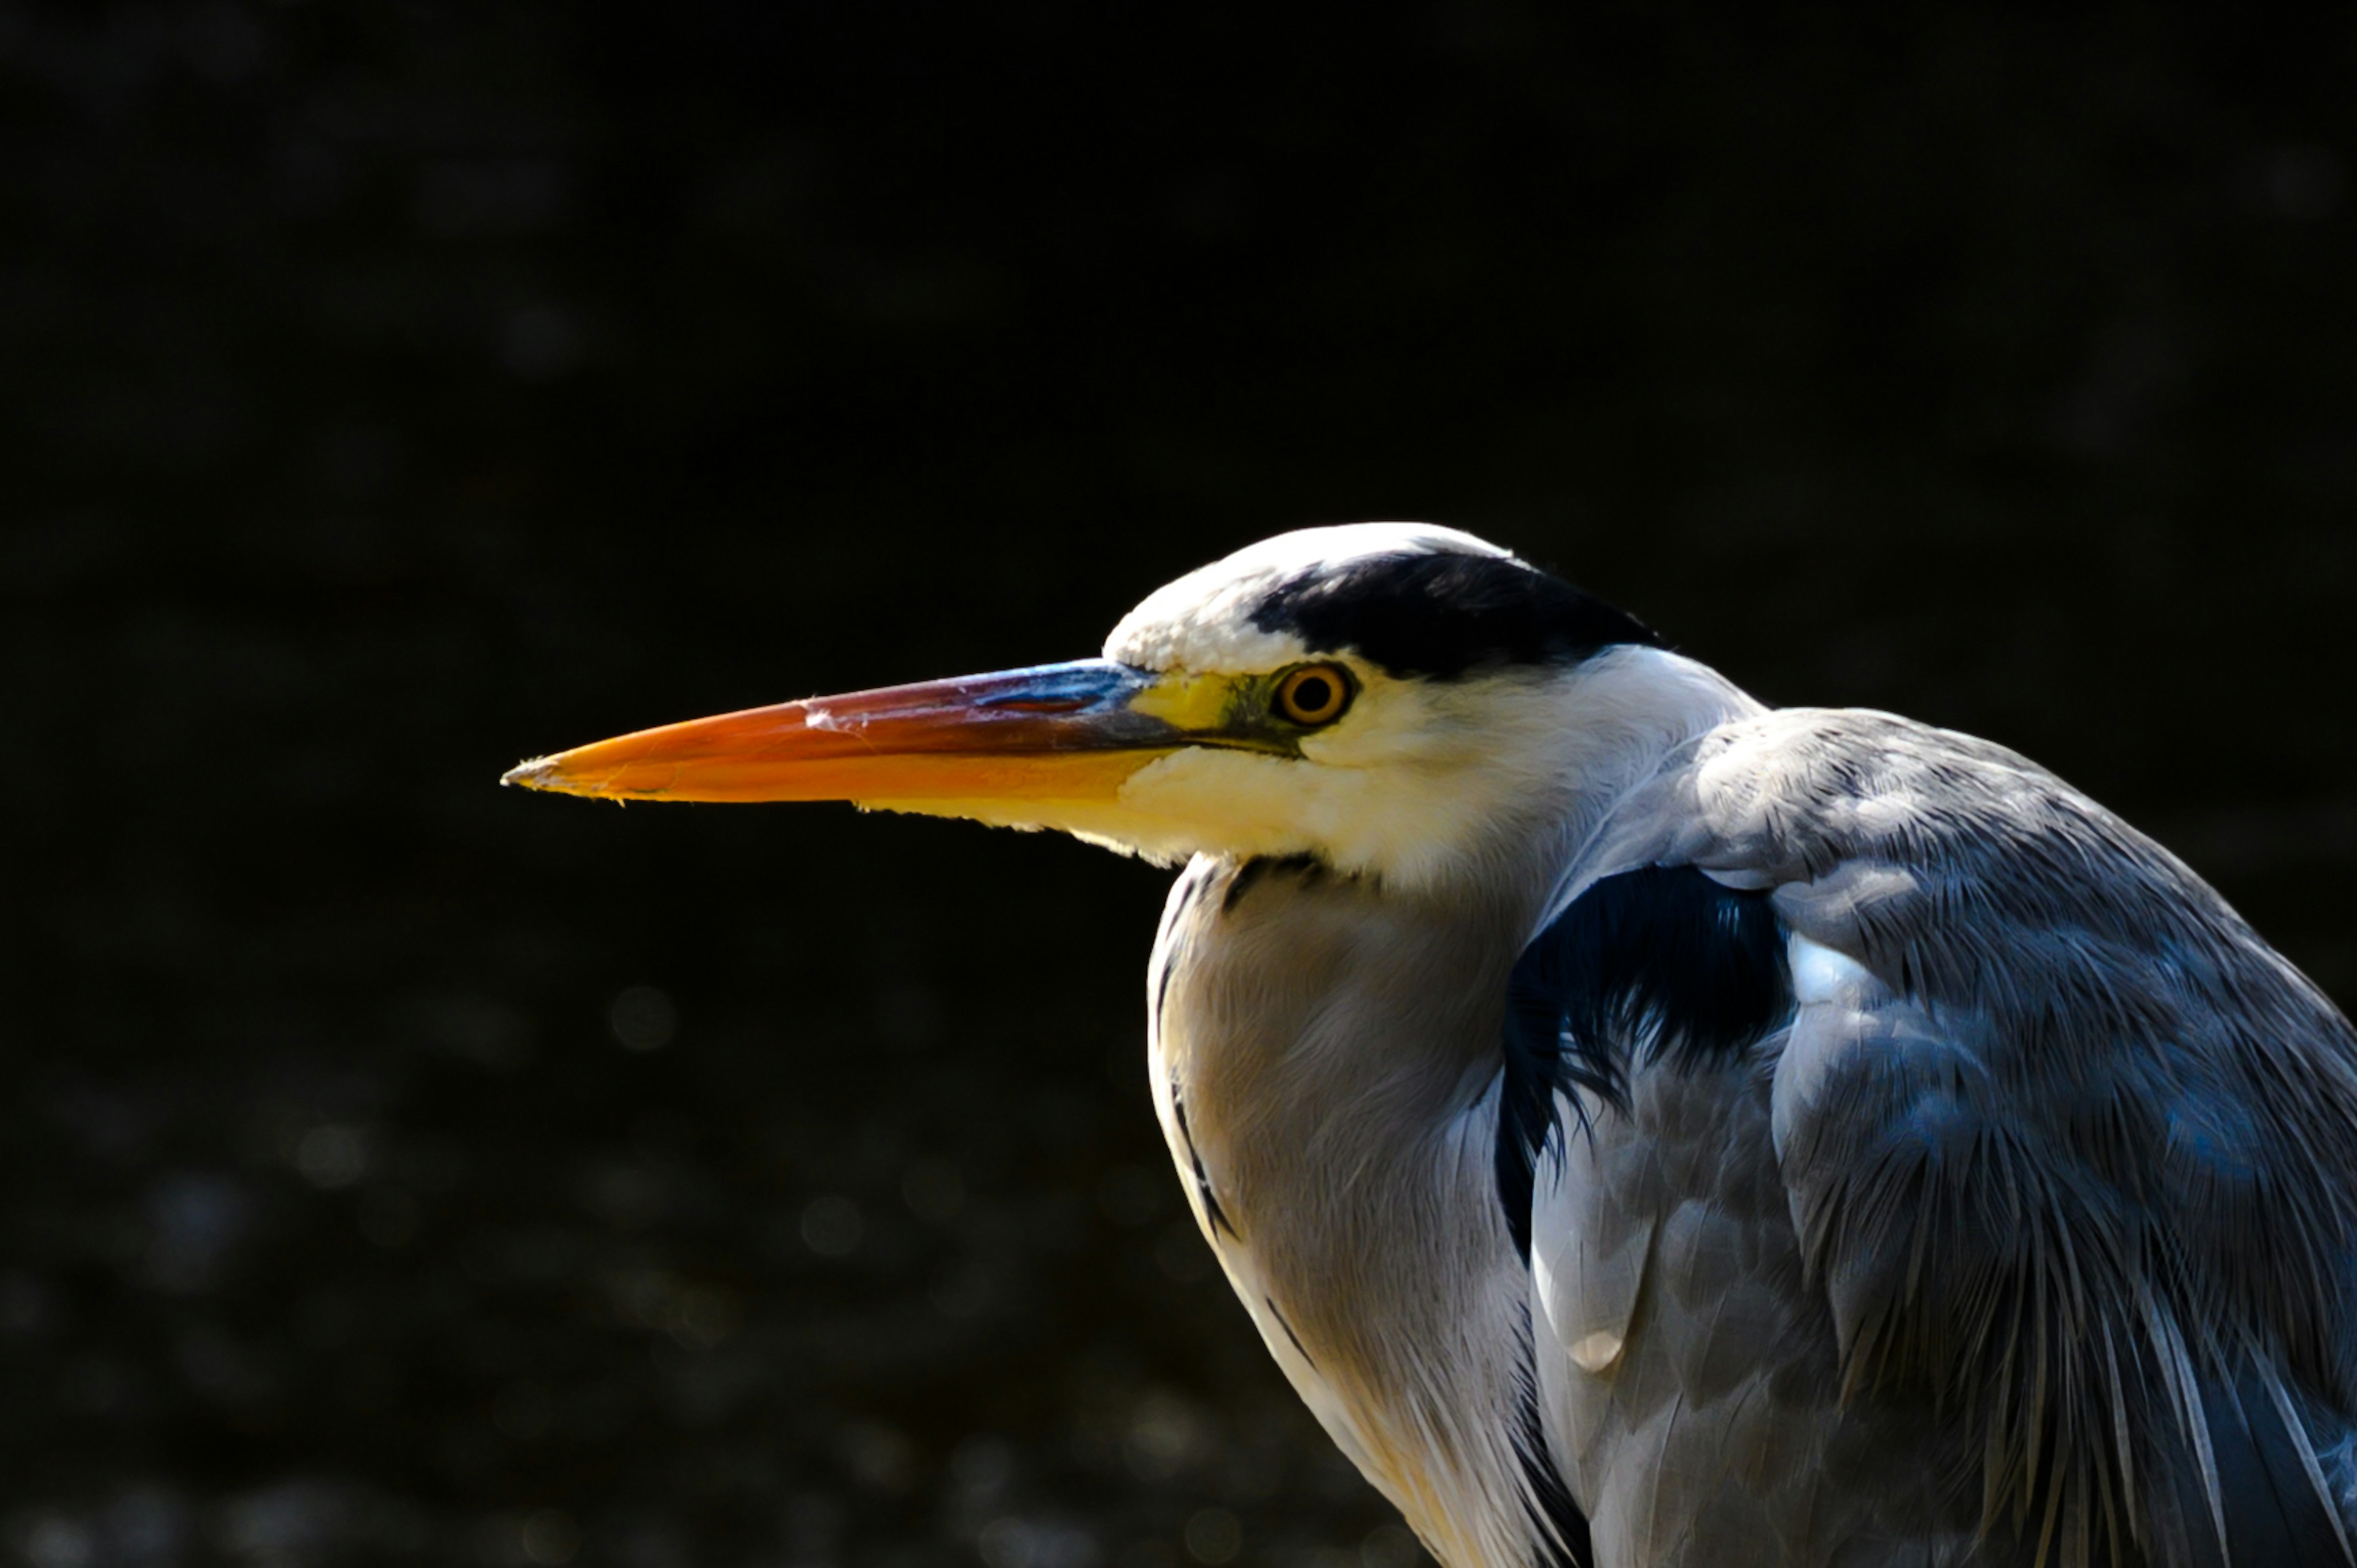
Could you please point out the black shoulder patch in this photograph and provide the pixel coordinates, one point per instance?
(1660, 960)
(1439, 615)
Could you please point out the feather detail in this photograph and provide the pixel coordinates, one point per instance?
(2071, 1151)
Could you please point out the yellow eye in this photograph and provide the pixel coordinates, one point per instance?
(1314, 694)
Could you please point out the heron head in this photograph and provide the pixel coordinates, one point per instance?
(1387, 697)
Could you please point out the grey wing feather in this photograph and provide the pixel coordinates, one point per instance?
(2069, 1147)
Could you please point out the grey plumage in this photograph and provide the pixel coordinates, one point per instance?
(2075, 1157)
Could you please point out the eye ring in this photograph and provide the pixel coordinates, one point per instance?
(1315, 695)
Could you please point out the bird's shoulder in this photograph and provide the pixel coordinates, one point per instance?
(1784, 796)
(1930, 855)
(2067, 1146)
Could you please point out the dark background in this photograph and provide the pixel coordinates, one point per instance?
(398, 1169)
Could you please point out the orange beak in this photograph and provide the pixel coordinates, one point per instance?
(1057, 732)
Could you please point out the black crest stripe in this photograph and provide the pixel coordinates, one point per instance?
(1438, 615)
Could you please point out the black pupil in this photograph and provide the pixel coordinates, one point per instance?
(1313, 694)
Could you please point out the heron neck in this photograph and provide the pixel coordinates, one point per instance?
(1318, 1057)
(1326, 1048)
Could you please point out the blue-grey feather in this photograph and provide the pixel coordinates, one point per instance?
(2133, 1128)
(2273, 1514)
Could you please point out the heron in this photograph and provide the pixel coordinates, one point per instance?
(1650, 1128)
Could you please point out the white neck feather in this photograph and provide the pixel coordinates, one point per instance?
(1334, 1042)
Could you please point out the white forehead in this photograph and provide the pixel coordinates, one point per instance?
(1203, 620)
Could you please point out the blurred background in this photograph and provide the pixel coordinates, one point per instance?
(402, 1170)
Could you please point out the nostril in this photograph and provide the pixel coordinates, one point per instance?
(1037, 704)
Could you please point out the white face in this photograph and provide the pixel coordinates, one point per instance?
(1416, 778)
(1382, 789)
(1418, 781)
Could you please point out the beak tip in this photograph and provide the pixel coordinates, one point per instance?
(534, 773)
